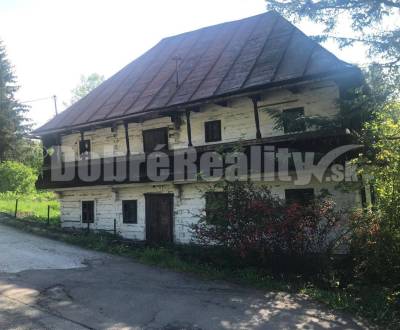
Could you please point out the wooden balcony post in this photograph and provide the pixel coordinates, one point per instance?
(58, 148)
(128, 148)
(188, 128)
(255, 100)
(46, 144)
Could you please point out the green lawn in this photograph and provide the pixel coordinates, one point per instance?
(31, 207)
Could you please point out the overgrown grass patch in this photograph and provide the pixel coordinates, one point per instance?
(377, 304)
(32, 207)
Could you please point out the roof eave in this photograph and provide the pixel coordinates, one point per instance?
(351, 70)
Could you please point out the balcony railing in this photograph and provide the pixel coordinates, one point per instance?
(185, 164)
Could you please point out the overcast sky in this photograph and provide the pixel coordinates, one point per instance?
(52, 42)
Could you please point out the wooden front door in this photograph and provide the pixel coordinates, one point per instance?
(159, 218)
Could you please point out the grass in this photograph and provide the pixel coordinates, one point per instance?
(31, 207)
(376, 304)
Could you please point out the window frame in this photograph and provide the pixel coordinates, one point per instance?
(125, 202)
(145, 132)
(288, 126)
(94, 211)
(301, 201)
(208, 129)
(82, 142)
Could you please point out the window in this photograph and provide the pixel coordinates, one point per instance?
(129, 211)
(212, 131)
(88, 211)
(363, 197)
(84, 147)
(155, 137)
(301, 196)
(215, 205)
(373, 194)
(293, 120)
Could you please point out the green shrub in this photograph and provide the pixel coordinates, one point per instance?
(16, 177)
(375, 248)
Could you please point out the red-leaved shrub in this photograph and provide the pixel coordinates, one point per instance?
(249, 220)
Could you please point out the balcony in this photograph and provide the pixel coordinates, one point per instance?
(171, 165)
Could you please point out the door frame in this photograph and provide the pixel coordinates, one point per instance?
(147, 212)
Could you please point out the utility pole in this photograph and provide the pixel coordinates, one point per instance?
(55, 104)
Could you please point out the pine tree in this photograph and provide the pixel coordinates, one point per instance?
(13, 124)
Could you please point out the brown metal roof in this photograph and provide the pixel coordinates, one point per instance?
(219, 60)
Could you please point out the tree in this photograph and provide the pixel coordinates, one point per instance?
(85, 86)
(30, 153)
(380, 160)
(375, 241)
(369, 21)
(358, 104)
(13, 124)
(16, 177)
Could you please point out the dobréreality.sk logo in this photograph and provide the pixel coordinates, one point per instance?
(257, 163)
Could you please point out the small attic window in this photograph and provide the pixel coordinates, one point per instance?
(155, 139)
(301, 196)
(212, 131)
(84, 147)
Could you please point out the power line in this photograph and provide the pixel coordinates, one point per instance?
(53, 97)
(39, 99)
(31, 101)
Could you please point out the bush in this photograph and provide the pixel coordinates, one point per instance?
(258, 226)
(375, 248)
(16, 177)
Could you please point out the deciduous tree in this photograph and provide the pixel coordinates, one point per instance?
(85, 86)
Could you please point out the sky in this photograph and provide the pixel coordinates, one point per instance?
(51, 43)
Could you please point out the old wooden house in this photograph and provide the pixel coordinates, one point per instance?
(207, 89)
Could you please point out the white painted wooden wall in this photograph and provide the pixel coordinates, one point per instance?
(188, 204)
(237, 121)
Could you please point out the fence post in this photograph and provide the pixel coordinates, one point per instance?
(115, 227)
(16, 208)
(48, 215)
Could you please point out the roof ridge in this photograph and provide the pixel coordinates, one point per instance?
(215, 63)
(269, 12)
(139, 87)
(291, 34)
(237, 56)
(172, 76)
(191, 70)
(260, 53)
(152, 79)
(126, 93)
